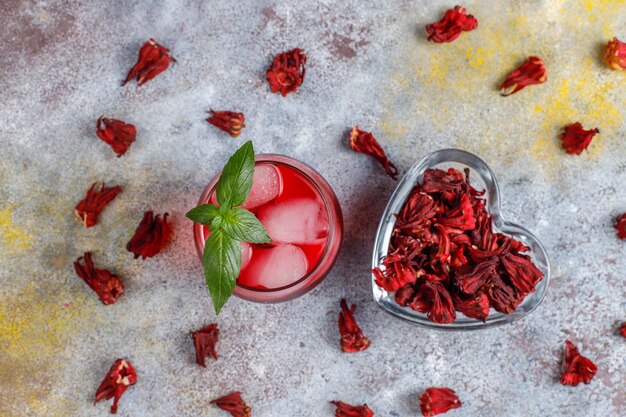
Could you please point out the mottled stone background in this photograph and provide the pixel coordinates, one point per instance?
(62, 63)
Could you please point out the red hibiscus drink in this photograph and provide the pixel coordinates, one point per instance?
(301, 214)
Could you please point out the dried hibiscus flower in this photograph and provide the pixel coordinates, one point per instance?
(88, 209)
(228, 121)
(287, 71)
(364, 142)
(435, 401)
(107, 286)
(532, 71)
(116, 382)
(576, 139)
(352, 338)
(204, 341)
(153, 59)
(622, 330)
(620, 226)
(615, 55)
(444, 256)
(453, 23)
(151, 236)
(577, 368)
(234, 404)
(117, 134)
(347, 410)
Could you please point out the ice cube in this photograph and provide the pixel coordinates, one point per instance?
(275, 267)
(246, 254)
(267, 184)
(300, 221)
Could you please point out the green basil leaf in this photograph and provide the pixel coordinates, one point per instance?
(222, 261)
(203, 214)
(245, 227)
(235, 181)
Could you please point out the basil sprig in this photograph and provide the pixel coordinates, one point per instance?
(229, 225)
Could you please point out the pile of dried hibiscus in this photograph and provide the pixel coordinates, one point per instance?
(444, 255)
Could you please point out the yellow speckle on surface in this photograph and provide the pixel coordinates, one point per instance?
(12, 236)
(454, 87)
(34, 333)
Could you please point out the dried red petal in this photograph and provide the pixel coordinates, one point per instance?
(620, 226)
(435, 301)
(116, 382)
(435, 401)
(448, 184)
(622, 330)
(459, 218)
(615, 55)
(475, 306)
(522, 273)
(404, 296)
(576, 139)
(577, 368)
(395, 276)
(228, 121)
(364, 142)
(117, 134)
(471, 280)
(502, 296)
(234, 404)
(204, 341)
(107, 286)
(88, 208)
(532, 71)
(352, 338)
(347, 410)
(153, 59)
(151, 236)
(417, 212)
(453, 23)
(287, 71)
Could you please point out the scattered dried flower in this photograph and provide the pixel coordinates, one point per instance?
(444, 255)
(234, 404)
(620, 226)
(453, 23)
(577, 368)
(153, 59)
(117, 134)
(116, 382)
(615, 55)
(622, 330)
(347, 410)
(576, 139)
(88, 209)
(151, 236)
(352, 338)
(107, 286)
(435, 401)
(228, 121)
(364, 142)
(532, 71)
(204, 341)
(287, 71)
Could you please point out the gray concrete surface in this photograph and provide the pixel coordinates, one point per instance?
(369, 64)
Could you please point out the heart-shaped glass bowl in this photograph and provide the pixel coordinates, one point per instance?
(481, 177)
